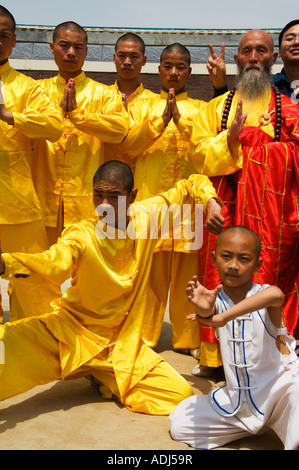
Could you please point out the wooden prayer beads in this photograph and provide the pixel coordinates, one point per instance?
(277, 129)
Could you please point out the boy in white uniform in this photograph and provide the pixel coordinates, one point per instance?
(261, 367)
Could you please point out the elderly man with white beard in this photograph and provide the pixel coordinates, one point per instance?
(249, 148)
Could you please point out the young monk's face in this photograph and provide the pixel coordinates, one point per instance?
(236, 259)
(174, 71)
(7, 38)
(69, 50)
(129, 59)
(109, 198)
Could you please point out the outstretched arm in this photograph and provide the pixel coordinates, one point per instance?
(203, 299)
(271, 298)
(55, 264)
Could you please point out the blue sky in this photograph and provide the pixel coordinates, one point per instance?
(186, 14)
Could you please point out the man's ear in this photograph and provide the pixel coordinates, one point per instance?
(274, 57)
(213, 257)
(133, 195)
(51, 47)
(258, 265)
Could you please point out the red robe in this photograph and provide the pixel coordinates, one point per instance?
(266, 200)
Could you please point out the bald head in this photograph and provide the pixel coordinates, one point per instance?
(116, 171)
(254, 61)
(240, 231)
(257, 36)
(174, 49)
(70, 26)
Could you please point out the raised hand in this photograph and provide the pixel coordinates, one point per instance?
(214, 220)
(237, 124)
(216, 67)
(203, 299)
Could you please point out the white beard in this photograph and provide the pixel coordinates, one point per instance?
(252, 84)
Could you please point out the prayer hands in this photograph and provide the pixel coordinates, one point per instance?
(124, 100)
(68, 102)
(214, 219)
(171, 110)
(203, 299)
(216, 67)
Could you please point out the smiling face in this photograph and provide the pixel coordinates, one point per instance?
(174, 71)
(69, 50)
(236, 259)
(289, 48)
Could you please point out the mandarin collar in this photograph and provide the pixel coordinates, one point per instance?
(138, 90)
(5, 68)
(181, 96)
(76, 79)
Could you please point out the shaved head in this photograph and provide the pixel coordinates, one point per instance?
(176, 48)
(69, 26)
(242, 230)
(257, 34)
(115, 171)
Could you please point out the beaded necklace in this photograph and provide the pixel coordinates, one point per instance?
(266, 116)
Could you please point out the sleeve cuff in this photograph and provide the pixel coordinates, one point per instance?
(13, 268)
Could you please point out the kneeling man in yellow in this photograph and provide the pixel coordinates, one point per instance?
(95, 327)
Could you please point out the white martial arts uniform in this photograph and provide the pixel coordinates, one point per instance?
(261, 391)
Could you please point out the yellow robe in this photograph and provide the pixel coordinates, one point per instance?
(21, 224)
(97, 323)
(63, 171)
(138, 105)
(163, 158)
(34, 118)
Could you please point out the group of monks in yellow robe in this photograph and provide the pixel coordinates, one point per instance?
(82, 332)
(107, 321)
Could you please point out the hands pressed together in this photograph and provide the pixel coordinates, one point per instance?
(171, 110)
(68, 102)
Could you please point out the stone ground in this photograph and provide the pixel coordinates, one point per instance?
(72, 415)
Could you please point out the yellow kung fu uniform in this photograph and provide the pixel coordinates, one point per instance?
(63, 171)
(138, 105)
(163, 158)
(95, 328)
(21, 225)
